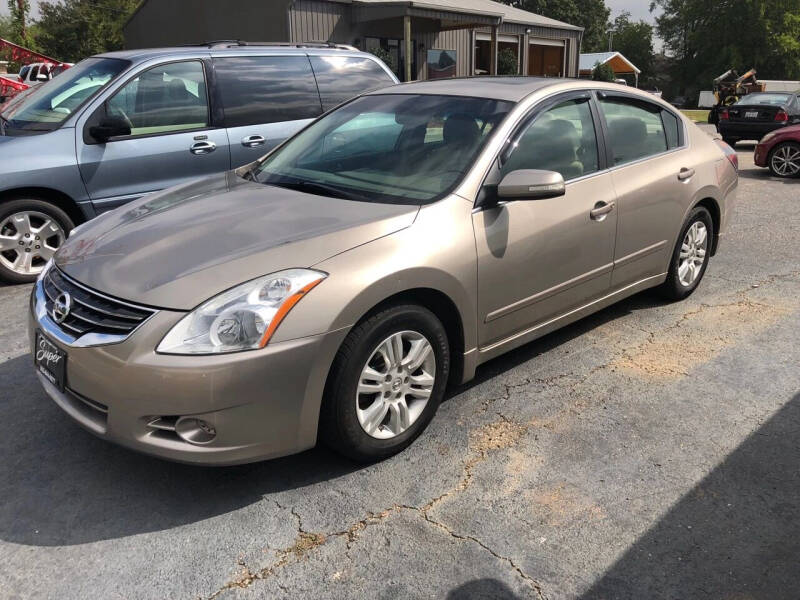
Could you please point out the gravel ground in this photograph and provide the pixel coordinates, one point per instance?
(649, 451)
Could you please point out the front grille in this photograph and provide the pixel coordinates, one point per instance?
(90, 311)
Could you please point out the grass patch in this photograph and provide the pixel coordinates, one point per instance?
(698, 116)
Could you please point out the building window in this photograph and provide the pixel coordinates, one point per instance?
(441, 64)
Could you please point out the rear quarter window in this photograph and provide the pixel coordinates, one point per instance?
(266, 89)
(671, 128)
(339, 78)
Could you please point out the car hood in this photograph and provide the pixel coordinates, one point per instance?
(177, 248)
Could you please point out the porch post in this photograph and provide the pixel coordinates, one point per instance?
(493, 53)
(409, 49)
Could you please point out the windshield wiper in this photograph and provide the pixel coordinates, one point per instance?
(318, 188)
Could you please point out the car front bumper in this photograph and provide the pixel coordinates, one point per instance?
(261, 404)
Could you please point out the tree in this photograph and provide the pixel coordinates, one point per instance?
(506, 62)
(634, 39)
(71, 30)
(592, 15)
(603, 72)
(707, 40)
(18, 20)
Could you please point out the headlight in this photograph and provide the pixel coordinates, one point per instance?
(243, 318)
(767, 137)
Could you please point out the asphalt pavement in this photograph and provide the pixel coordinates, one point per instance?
(649, 451)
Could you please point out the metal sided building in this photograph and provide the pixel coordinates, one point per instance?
(445, 38)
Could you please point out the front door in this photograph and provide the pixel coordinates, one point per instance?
(538, 259)
(171, 140)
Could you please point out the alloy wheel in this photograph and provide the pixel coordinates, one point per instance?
(28, 239)
(395, 384)
(786, 160)
(693, 253)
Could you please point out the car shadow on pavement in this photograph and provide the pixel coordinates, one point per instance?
(62, 486)
(735, 535)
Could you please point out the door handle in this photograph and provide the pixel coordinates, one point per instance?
(601, 210)
(251, 141)
(685, 174)
(203, 148)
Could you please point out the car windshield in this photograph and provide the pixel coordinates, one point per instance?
(767, 99)
(51, 103)
(396, 148)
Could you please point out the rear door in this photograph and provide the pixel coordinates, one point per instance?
(652, 173)
(265, 99)
(172, 141)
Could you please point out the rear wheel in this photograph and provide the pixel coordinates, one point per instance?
(784, 160)
(690, 257)
(386, 383)
(31, 231)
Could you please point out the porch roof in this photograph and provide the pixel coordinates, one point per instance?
(487, 9)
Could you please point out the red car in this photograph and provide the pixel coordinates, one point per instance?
(780, 151)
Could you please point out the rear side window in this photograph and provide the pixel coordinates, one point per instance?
(671, 128)
(266, 89)
(635, 129)
(341, 77)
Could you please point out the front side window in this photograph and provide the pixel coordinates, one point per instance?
(400, 148)
(635, 129)
(339, 78)
(53, 102)
(164, 99)
(561, 139)
(267, 89)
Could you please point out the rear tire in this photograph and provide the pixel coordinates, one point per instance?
(395, 413)
(784, 160)
(31, 230)
(730, 141)
(690, 257)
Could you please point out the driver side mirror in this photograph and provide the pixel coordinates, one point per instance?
(112, 126)
(42, 77)
(531, 184)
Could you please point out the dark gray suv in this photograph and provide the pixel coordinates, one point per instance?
(120, 125)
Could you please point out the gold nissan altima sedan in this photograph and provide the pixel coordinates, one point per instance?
(333, 289)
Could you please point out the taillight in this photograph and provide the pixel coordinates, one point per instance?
(781, 116)
(723, 115)
(730, 154)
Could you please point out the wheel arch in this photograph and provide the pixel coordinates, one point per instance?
(56, 197)
(712, 206)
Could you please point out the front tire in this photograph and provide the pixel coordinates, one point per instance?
(784, 160)
(386, 383)
(690, 257)
(31, 231)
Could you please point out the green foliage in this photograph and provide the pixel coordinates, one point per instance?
(18, 22)
(506, 62)
(592, 15)
(71, 30)
(634, 39)
(6, 27)
(386, 57)
(706, 40)
(603, 72)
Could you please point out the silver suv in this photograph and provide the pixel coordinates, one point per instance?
(120, 125)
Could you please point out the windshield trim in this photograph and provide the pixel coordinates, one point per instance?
(126, 64)
(258, 167)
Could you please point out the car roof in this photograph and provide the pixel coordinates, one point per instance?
(224, 48)
(512, 89)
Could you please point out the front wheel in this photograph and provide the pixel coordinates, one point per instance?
(386, 383)
(784, 160)
(690, 257)
(30, 233)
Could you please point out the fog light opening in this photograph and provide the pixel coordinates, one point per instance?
(195, 431)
